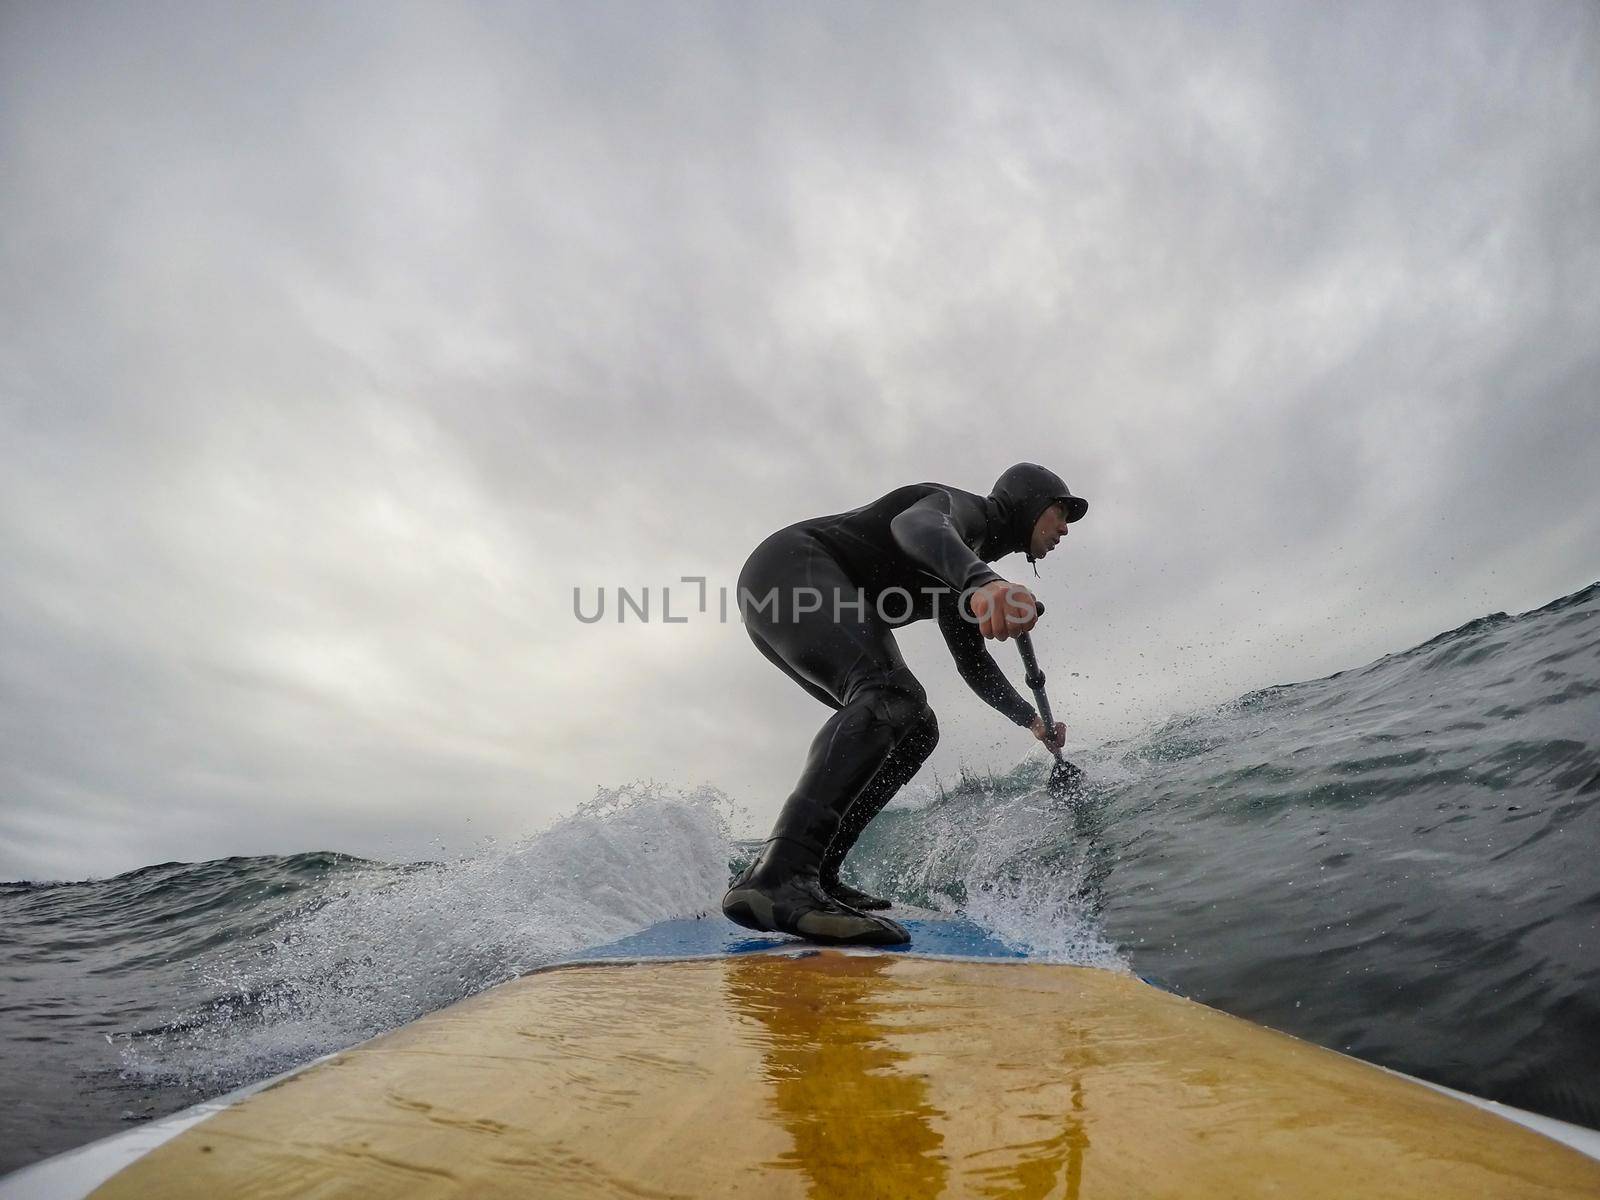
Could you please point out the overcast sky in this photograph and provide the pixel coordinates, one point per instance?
(340, 343)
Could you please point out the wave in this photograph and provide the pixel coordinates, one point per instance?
(362, 947)
(1397, 861)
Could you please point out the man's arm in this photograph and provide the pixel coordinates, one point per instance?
(978, 668)
(929, 533)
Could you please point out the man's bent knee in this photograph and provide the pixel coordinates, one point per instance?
(900, 703)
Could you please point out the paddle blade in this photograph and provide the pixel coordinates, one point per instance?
(1064, 779)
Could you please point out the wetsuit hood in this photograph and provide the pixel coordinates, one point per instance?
(1019, 496)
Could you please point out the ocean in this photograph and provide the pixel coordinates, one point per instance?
(1400, 861)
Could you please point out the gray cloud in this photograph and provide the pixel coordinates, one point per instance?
(338, 345)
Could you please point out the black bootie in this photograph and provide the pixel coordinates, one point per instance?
(828, 871)
(909, 753)
(847, 895)
(782, 892)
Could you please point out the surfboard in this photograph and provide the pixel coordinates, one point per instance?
(694, 1059)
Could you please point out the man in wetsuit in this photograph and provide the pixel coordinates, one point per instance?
(821, 600)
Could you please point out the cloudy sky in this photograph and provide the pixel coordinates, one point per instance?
(340, 343)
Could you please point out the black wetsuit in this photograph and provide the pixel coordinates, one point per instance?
(821, 599)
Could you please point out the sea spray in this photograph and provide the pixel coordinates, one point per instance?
(1001, 851)
(373, 946)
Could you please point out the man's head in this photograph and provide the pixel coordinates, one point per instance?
(1036, 507)
(1049, 529)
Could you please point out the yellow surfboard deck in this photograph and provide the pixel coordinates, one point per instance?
(837, 1074)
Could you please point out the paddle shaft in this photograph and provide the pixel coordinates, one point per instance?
(1035, 678)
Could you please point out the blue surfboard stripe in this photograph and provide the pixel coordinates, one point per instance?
(717, 937)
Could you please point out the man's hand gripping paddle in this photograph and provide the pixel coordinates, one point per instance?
(1064, 775)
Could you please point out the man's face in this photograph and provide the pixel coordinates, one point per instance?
(1049, 529)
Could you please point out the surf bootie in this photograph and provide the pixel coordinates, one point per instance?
(781, 892)
(851, 897)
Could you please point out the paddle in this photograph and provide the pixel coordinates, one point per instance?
(1064, 774)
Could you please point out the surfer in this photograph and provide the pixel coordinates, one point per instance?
(821, 600)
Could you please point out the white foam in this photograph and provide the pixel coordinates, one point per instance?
(1023, 875)
(377, 948)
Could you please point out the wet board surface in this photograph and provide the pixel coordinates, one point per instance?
(816, 1072)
